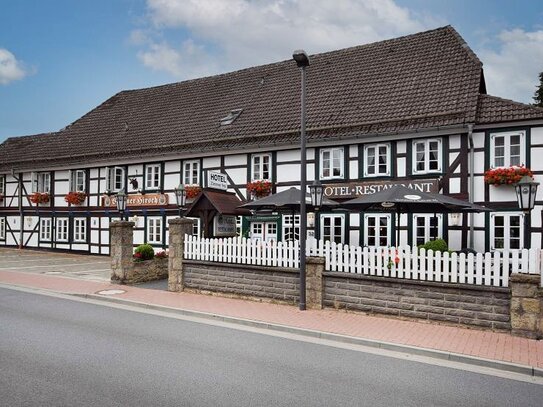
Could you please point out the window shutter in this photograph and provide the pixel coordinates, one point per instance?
(108, 180)
(72, 181)
(34, 182)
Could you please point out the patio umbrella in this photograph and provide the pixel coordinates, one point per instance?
(288, 201)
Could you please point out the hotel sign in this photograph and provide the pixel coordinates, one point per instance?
(356, 189)
(217, 180)
(224, 225)
(138, 200)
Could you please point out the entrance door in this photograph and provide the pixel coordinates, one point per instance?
(265, 231)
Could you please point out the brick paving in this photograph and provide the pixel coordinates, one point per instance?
(472, 342)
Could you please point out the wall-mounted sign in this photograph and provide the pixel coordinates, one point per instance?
(356, 189)
(138, 200)
(217, 180)
(224, 225)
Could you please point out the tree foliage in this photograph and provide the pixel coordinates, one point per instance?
(538, 95)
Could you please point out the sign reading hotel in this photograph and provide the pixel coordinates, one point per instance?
(224, 225)
(138, 200)
(217, 180)
(356, 189)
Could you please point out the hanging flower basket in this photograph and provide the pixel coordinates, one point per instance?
(39, 198)
(192, 191)
(506, 176)
(75, 198)
(259, 189)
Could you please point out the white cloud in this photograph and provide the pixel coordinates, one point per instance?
(10, 69)
(511, 70)
(252, 32)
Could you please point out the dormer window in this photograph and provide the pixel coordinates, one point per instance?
(233, 115)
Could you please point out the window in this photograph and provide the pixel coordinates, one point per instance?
(2, 228)
(507, 231)
(331, 163)
(195, 226)
(507, 149)
(427, 227)
(426, 156)
(377, 230)
(80, 230)
(2, 185)
(114, 179)
(152, 176)
(154, 230)
(333, 228)
(261, 167)
(45, 229)
(62, 230)
(77, 181)
(191, 172)
(377, 160)
(291, 231)
(41, 182)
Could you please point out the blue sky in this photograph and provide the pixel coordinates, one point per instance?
(59, 58)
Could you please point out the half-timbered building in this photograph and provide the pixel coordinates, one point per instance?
(412, 110)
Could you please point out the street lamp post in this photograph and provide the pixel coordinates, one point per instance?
(526, 190)
(180, 197)
(121, 204)
(302, 60)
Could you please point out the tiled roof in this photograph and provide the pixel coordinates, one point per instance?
(225, 203)
(418, 81)
(492, 109)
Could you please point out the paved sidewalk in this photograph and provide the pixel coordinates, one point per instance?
(481, 344)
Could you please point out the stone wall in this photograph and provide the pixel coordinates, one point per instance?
(148, 270)
(243, 280)
(486, 307)
(526, 305)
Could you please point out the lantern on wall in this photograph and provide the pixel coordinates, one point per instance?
(180, 197)
(316, 191)
(526, 190)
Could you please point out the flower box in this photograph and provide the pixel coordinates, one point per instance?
(192, 191)
(259, 189)
(75, 198)
(39, 198)
(506, 175)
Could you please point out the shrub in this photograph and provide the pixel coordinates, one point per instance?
(438, 245)
(144, 252)
(161, 254)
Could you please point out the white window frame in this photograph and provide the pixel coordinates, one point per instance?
(113, 175)
(507, 148)
(196, 228)
(62, 229)
(507, 230)
(376, 148)
(288, 228)
(377, 235)
(193, 167)
(80, 230)
(152, 176)
(322, 219)
(257, 167)
(331, 168)
(78, 180)
(3, 185)
(426, 143)
(45, 229)
(427, 226)
(154, 230)
(41, 182)
(2, 228)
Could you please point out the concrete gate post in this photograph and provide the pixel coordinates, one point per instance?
(179, 227)
(121, 249)
(314, 282)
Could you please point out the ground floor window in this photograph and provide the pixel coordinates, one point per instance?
(427, 227)
(2, 228)
(291, 227)
(507, 231)
(154, 230)
(265, 231)
(196, 229)
(45, 229)
(62, 229)
(333, 228)
(80, 230)
(377, 230)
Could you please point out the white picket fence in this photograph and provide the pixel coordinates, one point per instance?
(490, 269)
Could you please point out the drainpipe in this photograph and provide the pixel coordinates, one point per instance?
(471, 183)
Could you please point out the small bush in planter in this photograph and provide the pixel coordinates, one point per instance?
(144, 252)
(163, 254)
(438, 245)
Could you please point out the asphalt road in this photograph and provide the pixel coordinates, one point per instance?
(58, 352)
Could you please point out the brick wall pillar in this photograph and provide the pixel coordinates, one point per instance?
(121, 249)
(314, 282)
(178, 228)
(526, 305)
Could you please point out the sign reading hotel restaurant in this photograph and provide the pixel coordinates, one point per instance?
(356, 189)
(224, 225)
(138, 200)
(217, 180)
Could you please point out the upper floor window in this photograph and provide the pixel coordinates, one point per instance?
(427, 156)
(507, 231)
(152, 176)
(77, 181)
(507, 149)
(191, 172)
(261, 167)
(377, 160)
(427, 227)
(41, 182)
(114, 179)
(80, 230)
(62, 229)
(2, 228)
(331, 163)
(2, 185)
(154, 230)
